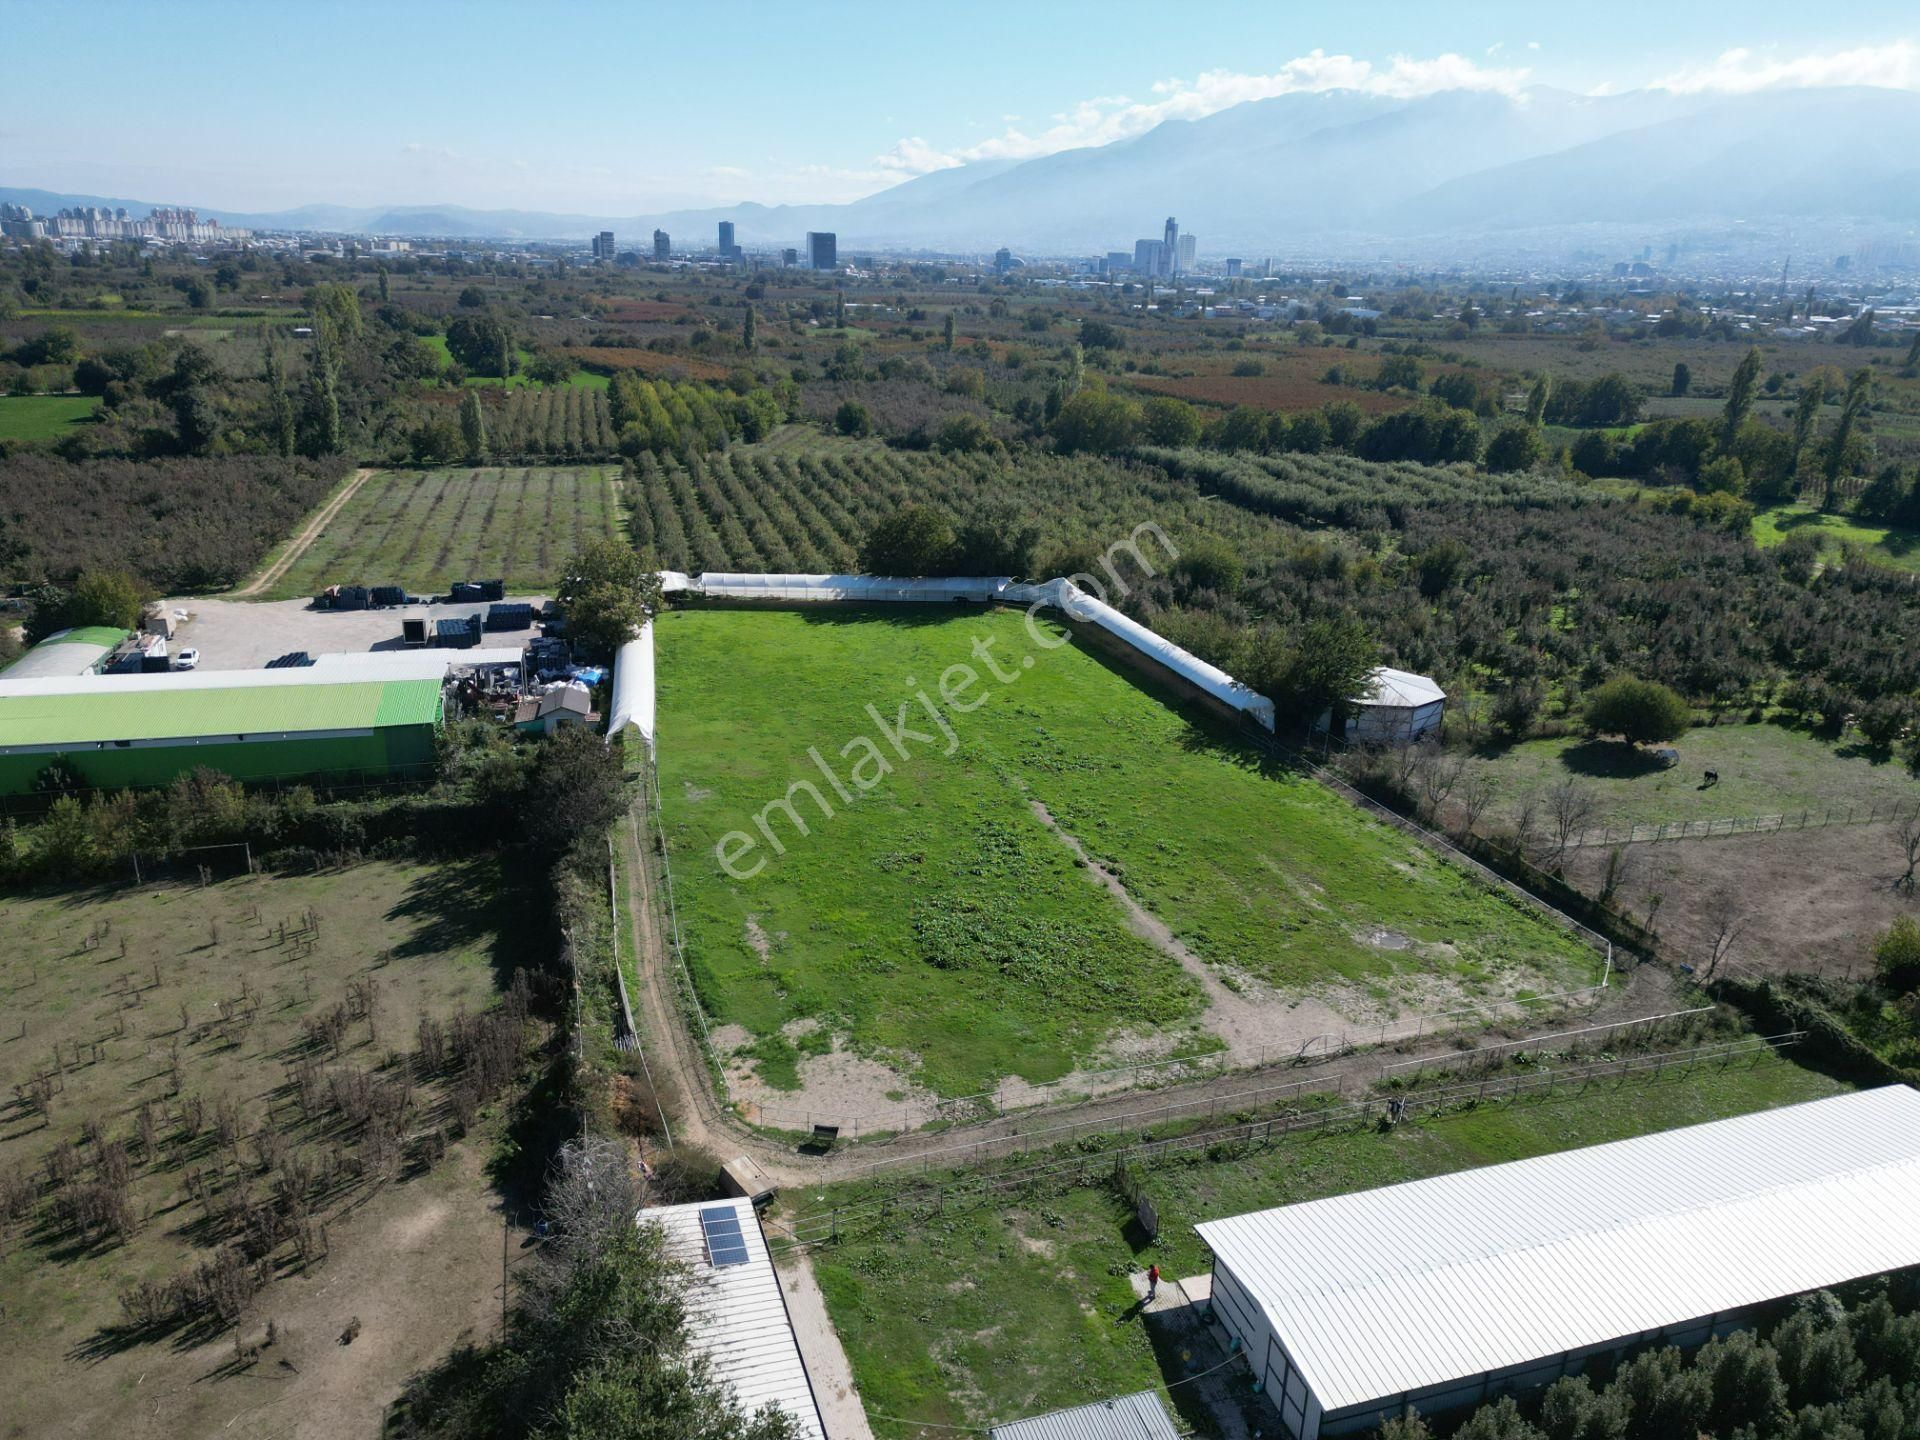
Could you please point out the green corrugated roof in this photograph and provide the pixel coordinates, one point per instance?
(89, 635)
(163, 714)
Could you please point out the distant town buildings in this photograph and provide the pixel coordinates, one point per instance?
(662, 246)
(96, 222)
(728, 249)
(1183, 255)
(603, 246)
(1233, 267)
(1148, 257)
(790, 257)
(1003, 260)
(823, 250)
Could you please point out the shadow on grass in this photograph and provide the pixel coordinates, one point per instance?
(1610, 760)
(461, 904)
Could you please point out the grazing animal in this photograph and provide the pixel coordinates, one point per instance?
(1713, 777)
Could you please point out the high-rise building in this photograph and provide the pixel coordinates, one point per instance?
(1116, 260)
(1233, 267)
(823, 250)
(662, 246)
(789, 257)
(603, 246)
(1003, 260)
(1170, 248)
(1147, 257)
(1183, 261)
(728, 249)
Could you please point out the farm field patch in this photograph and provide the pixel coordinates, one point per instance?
(44, 417)
(988, 1312)
(1764, 770)
(188, 1004)
(1899, 548)
(935, 923)
(424, 529)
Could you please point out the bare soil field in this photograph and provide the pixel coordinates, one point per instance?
(1807, 900)
(179, 1102)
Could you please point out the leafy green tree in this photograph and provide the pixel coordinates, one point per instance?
(948, 331)
(1501, 1420)
(1642, 712)
(1815, 1347)
(1324, 666)
(1398, 372)
(964, 435)
(1537, 399)
(1515, 447)
(1167, 421)
(607, 589)
(473, 426)
(281, 431)
(999, 540)
(1095, 422)
(913, 540)
(840, 309)
(1740, 392)
(386, 287)
(1723, 475)
(1665, 1396)
(1896, 955)
(1241, 428)
(1570, 1410)
(1101, 335)
(1806, 411)
(481, 344)
(748, 327)
(1839, 445)
(853, 418)
(1682, 378)
(1744, 1375)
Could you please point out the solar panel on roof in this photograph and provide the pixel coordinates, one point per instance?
(725, 1244)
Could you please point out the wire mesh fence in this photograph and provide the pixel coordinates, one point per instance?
(1655, 832)
(966, 1173)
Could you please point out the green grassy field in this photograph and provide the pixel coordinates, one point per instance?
(424, 529)
(44, 417)
(937, 923)
(982, 1313)
(1900, 548)
(584, 379)
(1764, 770)
(145, 996)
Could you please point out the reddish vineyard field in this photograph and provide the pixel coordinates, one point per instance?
(646, 362)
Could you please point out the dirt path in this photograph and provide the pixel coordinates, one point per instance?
(821, 1351)
(309, 532)
(677, 1065)
(1256, 1021)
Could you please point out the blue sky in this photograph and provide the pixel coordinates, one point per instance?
(627, 108)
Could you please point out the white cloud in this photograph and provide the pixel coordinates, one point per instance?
(1741, 71)
(1106, 118)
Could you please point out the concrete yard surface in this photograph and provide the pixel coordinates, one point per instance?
(245, 635)
(820, 1350)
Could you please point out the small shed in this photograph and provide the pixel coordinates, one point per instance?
(569, 704)
(1397, 708)
(1141, 1416)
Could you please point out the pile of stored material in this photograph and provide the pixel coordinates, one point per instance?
(456, 634)
(516, 615)
(470, 591)
(292, 660)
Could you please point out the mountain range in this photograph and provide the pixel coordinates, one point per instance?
(1324, 172)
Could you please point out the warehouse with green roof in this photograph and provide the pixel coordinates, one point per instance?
(270, 725)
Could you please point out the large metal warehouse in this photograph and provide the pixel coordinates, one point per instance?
(1439, 1294)
(151, 728)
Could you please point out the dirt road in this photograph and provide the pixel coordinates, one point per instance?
(309, 532)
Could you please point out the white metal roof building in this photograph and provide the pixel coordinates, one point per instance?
(736, 1313)
(1141, 1416)
(1397, 706)
(1440, 1293)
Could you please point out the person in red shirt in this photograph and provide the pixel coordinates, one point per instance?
(1153, 1281)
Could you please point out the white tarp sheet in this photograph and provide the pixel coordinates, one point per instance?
(930, 590)
(1069, 598)
(633, 692)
